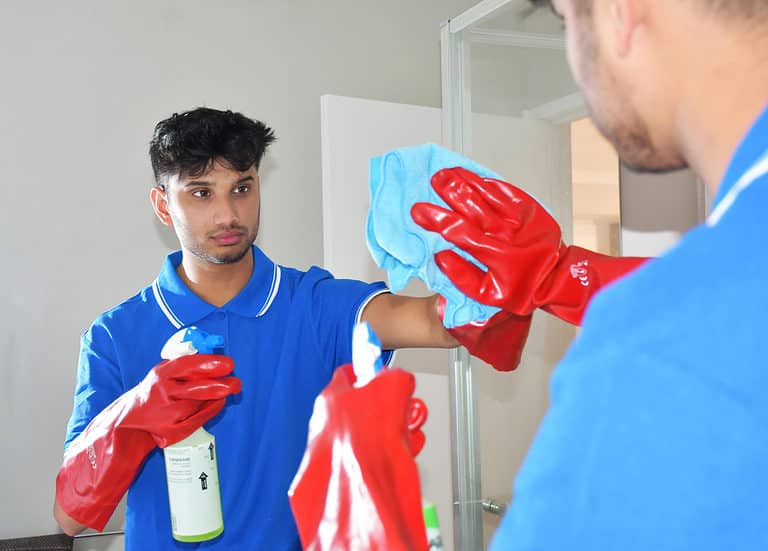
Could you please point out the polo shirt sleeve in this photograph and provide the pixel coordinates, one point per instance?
(337, 305)
(98, 381)
(640, 451)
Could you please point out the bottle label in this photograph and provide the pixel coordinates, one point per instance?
(193, 490)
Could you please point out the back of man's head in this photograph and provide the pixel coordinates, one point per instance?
(748, 10)
(185, 144)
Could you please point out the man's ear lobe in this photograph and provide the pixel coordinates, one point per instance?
(159, 200)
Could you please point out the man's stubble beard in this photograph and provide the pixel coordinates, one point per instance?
(618, 120)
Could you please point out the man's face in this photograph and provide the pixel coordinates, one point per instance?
(618, 86)
(215, 215)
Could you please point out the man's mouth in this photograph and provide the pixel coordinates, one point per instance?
(228, 238)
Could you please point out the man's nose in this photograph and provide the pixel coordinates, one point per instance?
(225, 213)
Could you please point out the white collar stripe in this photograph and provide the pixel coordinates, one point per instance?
(756, 171)
(272, 291)
(160, 299)
(166, 309)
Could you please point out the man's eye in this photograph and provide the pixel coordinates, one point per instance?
(242, 189)
(201, 193)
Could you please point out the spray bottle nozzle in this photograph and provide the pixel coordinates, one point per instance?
(191, 340)
(203, 342)
(366, 354)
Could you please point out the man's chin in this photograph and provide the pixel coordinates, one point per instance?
(224, 257)
(636, 150)
(653, 166)
(232, 258)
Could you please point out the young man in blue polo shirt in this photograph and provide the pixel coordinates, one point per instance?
(284, 330)
(657, 432)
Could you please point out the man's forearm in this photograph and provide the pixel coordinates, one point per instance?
(407, 322)
(440, 333)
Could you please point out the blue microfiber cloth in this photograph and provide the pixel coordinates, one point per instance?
(397, 180)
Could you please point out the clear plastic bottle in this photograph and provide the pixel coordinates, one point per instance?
(190, 465)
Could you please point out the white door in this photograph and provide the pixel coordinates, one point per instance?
(531, 153)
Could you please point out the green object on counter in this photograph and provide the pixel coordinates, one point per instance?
(432, 526)
(430, 516)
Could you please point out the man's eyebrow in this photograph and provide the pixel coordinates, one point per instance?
(198, 183)
(536, 4)
(206, 183)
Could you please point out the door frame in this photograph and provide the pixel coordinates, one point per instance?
(456, 36)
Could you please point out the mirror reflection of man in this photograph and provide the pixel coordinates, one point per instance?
(285, 331)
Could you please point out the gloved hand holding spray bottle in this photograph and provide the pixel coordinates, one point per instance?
(358, 484)
(190, 465)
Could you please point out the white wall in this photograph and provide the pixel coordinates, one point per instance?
(346, 150)
(507, 80)
(83, 83)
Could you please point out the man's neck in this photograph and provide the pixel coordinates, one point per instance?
(721, 104)
(216, 284)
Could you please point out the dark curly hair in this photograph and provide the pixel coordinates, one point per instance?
(185, 144)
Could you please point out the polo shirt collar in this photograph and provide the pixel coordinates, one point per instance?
(750, 150)
(183, 308)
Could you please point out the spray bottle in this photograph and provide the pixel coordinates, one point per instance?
(190, 464)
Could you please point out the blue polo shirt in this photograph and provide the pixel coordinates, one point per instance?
(286, 331)
(657, 433)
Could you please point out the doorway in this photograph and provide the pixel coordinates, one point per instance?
(595, 190)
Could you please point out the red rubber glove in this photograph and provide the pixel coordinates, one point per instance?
(498, 340)
(507, 230)
(174, 399)
(358, 485)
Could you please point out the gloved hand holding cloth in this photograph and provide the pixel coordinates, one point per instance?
(492, 251)
(527, 265)
(398, 180)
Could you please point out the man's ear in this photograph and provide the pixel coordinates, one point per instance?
(626, 16)
(159, 200)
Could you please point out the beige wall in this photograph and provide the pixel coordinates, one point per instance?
(595, 178)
